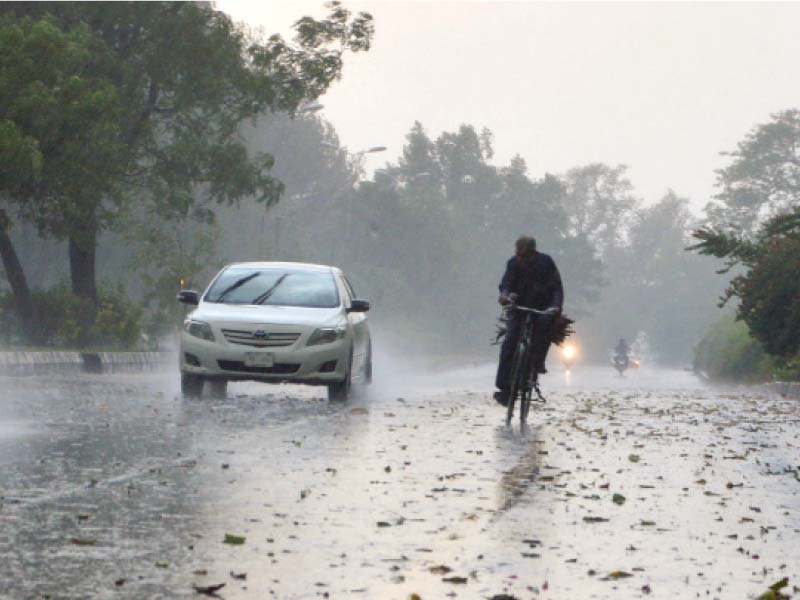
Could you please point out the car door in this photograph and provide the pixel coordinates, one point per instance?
(358, 324)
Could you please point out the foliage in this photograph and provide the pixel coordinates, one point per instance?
(58, 320)
(769, 289)
(426, 239)
(169, 256)
(104, 106)
(763, 179)
(755, 227)
(727, 352)
(159, 119)
(600, 203)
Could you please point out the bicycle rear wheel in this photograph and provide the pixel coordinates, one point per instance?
(516, 378)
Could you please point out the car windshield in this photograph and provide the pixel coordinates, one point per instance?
(274, 287)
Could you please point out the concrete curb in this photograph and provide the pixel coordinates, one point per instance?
(22, 363)
(790, 390)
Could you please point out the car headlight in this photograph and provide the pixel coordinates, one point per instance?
(326, 335)
(198, 329)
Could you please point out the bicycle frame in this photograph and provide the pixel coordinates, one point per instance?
(524, 379)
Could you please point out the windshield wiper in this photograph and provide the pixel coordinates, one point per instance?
(263, 297)
(235, 285)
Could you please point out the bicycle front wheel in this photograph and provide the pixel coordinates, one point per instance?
(524, 406)
(516, 380)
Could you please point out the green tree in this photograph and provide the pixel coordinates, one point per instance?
(147, 106)
(754, 225)
(656, 286)
(768, 289)
(52, 119)
(763, 179)
(600, 203)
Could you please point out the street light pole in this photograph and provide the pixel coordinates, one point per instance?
(359, 169)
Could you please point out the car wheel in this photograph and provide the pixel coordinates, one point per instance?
(368, 365)
(191, 385)
(219, 388)
(340, 391)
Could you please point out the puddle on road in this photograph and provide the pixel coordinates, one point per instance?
(515, 482)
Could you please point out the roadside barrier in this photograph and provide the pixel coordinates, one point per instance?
(27, 363)
(790, 390)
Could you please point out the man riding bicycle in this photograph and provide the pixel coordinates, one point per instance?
(531, 280)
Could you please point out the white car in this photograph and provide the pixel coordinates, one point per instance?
(276, 322)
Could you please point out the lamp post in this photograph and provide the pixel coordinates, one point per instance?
(359, 169)
(356, 159)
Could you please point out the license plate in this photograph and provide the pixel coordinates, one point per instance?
(258, 359)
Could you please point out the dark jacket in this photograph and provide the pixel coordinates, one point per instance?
(537, 286)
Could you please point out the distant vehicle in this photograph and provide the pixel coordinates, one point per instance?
(621, 362)
(276, 322)
(568, 355)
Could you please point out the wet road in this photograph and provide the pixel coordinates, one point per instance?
(113, 486)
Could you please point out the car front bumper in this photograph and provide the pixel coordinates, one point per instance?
(298, 363)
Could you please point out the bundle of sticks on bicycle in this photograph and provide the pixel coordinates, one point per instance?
(561, 329)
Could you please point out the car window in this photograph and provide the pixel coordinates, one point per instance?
(274, 287)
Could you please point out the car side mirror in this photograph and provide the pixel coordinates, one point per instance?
(359, 306)
(189, 297)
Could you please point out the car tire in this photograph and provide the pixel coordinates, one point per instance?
(191, 385)
(368, 365)
(340, 390)
(219, 388)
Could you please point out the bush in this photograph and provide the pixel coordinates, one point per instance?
(59, 318)
(789, 370)
(728, 352)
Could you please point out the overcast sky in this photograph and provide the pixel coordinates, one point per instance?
(661, 87)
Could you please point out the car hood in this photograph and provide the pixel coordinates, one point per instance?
(270, 315)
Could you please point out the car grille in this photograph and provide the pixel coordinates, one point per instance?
(268, 339)
(276, 369)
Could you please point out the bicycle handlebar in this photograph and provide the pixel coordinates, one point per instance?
(549, 311)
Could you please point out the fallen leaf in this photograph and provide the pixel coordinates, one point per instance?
(208, 590)
(440, 570)
(619, 574)
(236, 540)
(595, 519)
(83, 542)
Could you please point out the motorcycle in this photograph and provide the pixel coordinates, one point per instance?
(621, 362)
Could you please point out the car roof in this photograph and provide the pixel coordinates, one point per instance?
(293, 266)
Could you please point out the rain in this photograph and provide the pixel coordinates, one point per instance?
(324, 419)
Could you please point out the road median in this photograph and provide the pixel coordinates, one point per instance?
(32, 362)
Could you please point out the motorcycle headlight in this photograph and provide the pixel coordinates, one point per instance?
(326, 335)
(199, 329)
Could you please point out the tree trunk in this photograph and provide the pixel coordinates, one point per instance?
(82, 249)
(16, 278)
(82, 267)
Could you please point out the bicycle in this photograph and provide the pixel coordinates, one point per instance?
(524, 378)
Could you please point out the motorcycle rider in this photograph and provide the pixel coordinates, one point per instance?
(621, 352)
(531, 280)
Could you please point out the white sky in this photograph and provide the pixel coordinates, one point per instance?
(661, 87)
